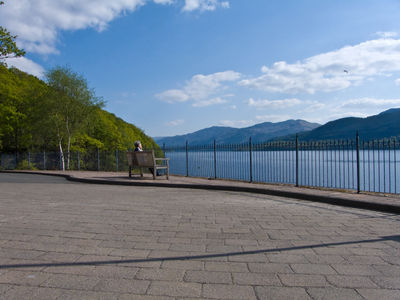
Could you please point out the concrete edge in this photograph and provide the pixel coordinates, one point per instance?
(381, 207)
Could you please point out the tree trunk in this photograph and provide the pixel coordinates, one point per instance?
(68, 151)
(69, 143)
(61, 155)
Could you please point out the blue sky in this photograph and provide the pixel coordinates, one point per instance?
(176, 66)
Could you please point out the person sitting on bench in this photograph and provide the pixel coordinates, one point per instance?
(139, 148)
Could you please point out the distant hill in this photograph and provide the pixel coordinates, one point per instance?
(228, 135)
(384, 125)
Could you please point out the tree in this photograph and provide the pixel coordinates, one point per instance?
(8, 47)
(70, 103)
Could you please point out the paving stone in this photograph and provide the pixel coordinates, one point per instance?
(183, 265)
(249, 258)
(144, 297)
(282, 293)
(303, 280)
(344, 281)
(287, 258)
(225, 291)
(23, 292)
(386, 282)
(333, 293)
(5, 287)
(160, 274)
(129, 253)
(77, 282)
(362, 270)
(388, 270)
(179, 289)
(256, 279)
(269, 268)
(313, 269)
(122, 286)
(379, 294)
(226, 266)
(87, 295)
(24, 278)
(208, 277)
(364, 260)
(324, 259)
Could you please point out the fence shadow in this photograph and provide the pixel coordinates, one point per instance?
(395, 238)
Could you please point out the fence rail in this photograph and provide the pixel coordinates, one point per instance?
(372, 166)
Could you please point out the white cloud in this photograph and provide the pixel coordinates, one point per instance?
(397, 81)
(199, 88)
(204, 5)
(175, 123)
(387, 34)
(330, 71)
(279, 104)
(38, 22)
(236, 123)
(273, 118)
(164, 1)
(172, 96)
(203, 103)
(26, 65)
(364, 103)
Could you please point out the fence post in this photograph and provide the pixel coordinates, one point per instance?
(251, 161)
(44, 160)
(215, 159)
(358, 161)
(187, 160)
(98, 159)
(29, 160)
(116, 158)
(297, 160)
(79, 162)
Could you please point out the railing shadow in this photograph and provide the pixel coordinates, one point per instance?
(395, 238)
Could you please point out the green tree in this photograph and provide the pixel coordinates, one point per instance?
(69, 105)
(19, 94)
(8, 47)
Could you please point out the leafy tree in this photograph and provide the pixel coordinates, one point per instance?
(19, 94)
(8, 47)
(70, 103)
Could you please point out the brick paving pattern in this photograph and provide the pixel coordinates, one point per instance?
(64, 240)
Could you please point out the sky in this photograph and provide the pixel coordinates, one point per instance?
(173, 67)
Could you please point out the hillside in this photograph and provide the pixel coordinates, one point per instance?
(384, 125)
(228, 135)
(28, 121)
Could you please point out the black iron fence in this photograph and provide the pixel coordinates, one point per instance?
(94, 160)
(372, 166)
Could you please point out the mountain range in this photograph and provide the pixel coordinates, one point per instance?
(383, 125)
(228, 135)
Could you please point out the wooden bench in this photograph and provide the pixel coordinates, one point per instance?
(147, 159)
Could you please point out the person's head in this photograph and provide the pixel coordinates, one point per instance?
(138, 144)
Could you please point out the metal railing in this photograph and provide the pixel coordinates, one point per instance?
(94, 160)
(372, 166)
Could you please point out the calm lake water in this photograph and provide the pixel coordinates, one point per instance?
(379, 169)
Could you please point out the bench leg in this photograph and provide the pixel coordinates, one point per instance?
(130, 172)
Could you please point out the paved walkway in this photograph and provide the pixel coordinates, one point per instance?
(68, 240)
(373, 201)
